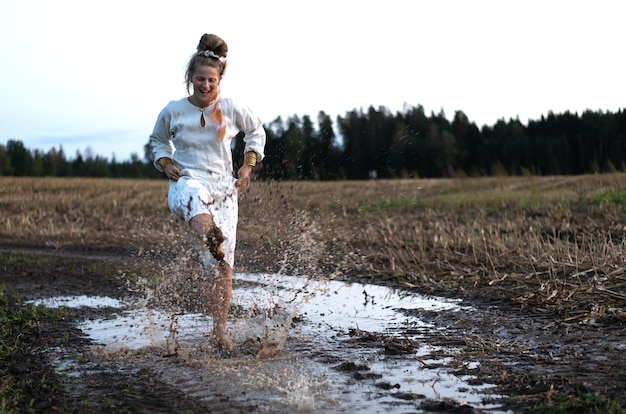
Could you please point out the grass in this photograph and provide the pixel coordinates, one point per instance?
(563, 232)
(22, 383)
(579, 403)
(481, 230)
(607, 198)
(549, 244)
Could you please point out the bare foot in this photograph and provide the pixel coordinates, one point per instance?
(222, 344)
(214, 240)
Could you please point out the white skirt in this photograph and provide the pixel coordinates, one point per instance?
(206, 193)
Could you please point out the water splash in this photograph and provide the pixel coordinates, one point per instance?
(294, 335)
(319, 368)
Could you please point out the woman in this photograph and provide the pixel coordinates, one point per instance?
(191, 143)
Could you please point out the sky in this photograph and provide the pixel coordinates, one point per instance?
(92, 76)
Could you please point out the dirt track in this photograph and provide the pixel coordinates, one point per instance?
(527, 355)
(538, 260)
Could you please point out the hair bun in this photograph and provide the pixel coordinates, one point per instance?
(213, 43)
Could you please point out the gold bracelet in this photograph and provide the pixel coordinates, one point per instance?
(163, 162)
(250, 158)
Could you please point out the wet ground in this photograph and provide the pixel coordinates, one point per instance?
(312, 346)
(302, 346)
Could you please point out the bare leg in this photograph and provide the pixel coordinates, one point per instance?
(221, 283)
(221, 294)
(204, 226)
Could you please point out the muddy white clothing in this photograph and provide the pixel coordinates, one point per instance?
(208, 183)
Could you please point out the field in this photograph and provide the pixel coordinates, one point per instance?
(545, 255)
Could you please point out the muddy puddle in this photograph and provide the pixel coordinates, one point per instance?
(302, 346)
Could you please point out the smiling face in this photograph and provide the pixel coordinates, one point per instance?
(205, 80)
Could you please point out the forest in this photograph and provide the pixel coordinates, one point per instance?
(377, 143)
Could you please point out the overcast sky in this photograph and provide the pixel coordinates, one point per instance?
(95, 74)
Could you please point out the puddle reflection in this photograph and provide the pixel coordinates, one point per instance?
(302, 378)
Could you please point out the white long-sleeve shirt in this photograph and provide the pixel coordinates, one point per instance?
(178, 135)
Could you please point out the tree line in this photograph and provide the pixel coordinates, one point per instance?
(378, 143)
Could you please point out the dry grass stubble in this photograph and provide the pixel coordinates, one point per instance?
(539, 241)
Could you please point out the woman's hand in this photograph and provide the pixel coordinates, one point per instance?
(172, 172)
(243, 178)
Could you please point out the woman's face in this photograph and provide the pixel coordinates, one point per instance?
(205, 81)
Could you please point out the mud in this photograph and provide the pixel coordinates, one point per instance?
(500, 357)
